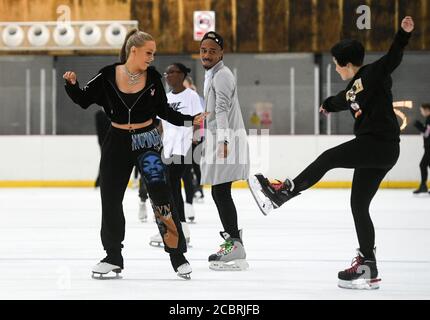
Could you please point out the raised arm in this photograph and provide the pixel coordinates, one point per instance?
(89, 94)
(389, 62)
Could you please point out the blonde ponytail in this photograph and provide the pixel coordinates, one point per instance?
(134, 38)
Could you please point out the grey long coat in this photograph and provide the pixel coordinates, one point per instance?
(224, 123)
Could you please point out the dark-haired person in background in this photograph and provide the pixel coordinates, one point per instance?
(177, 140)
(425, 161)
(372, 153)
(193, 175)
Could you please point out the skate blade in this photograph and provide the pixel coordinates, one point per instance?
(264, 203)
(191, 220)
(107, 276)
(156, 244)
(235, 265)
(161, 245)
(421, 194)
(360, 284)
(185, 276)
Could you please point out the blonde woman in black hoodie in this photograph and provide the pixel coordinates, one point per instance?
(132, 95)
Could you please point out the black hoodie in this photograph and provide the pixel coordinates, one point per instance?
(150, 102)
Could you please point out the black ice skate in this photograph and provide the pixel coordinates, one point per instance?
(363, 274)
(269, 195)
(421, 190)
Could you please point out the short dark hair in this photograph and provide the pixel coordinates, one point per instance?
(185, 70)
(426, 106)
(347, 51)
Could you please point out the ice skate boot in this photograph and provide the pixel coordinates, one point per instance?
(108, 268)
(231, 256)
(181, 266)
(143, 211)
(189, 212)
(363, 274)
(269, 196)
(157, 241)
(199, 195)
(421, 190)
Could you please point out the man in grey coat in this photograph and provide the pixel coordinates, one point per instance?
(225, 154)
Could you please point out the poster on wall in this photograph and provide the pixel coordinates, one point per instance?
(204, 21)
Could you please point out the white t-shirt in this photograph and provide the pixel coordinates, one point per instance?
(178, 140)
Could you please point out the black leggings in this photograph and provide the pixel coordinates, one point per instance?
(371, 159)
(121, 151)
(221, 193)
(424, 164)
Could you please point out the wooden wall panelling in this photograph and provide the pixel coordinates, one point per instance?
(383, 25)
(300, 24)
(330, 20)
(274, 26)
(224, 12)
(247, 26)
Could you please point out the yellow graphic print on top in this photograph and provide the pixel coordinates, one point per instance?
(351, 96)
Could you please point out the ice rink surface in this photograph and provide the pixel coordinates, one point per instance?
(49, 240)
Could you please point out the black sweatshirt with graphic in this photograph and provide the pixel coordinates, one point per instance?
(368, 96)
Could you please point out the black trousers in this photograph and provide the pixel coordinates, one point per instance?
(143, 193)
(424, 164)
(176, 169)
(188, 177)
(371, 159)
(121, 151)
(221, 193)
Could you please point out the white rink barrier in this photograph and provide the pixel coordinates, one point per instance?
(73, 160)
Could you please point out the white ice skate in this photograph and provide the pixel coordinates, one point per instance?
(231, 256)
(198, 196)
(102, 271)
(157, 241)
(189, 212)
(184, 271)
(143, 211)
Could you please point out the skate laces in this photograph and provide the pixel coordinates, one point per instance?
(226, 247)
(278, 186)
(355, 264)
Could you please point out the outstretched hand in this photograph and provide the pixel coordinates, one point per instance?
(198, 119)
(408, 24)
(323, 111)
